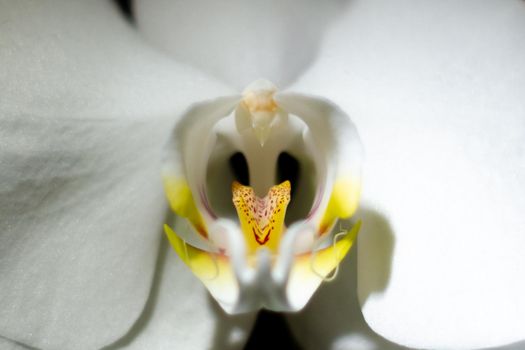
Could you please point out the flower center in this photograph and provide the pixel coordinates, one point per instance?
(262, 219)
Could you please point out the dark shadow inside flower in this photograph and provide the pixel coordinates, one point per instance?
(299, 169)
(239, 167)
(288, 168)
(227, 163)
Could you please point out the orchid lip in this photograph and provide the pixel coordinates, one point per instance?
(245, 252)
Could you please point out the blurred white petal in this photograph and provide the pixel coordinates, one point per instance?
(239, 41)
(437, 90)
(83, 118)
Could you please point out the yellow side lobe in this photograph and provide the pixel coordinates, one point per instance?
(214, 270)
(262, 219)
(343, 202)
(182, 203)
(324, 261)
(310, 270)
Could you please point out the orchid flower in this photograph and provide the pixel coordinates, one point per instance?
(259, 262)
(100, 122)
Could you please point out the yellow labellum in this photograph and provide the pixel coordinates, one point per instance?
(262, 219)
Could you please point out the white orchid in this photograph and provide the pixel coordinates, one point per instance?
(91, 116)
(259, 262)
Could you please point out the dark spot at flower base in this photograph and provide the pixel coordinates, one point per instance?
(126, 9)
(271, 332)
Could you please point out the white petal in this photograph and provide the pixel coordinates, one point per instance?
(81, 135)
(177, 319)
(239, 41)
(437, 92)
